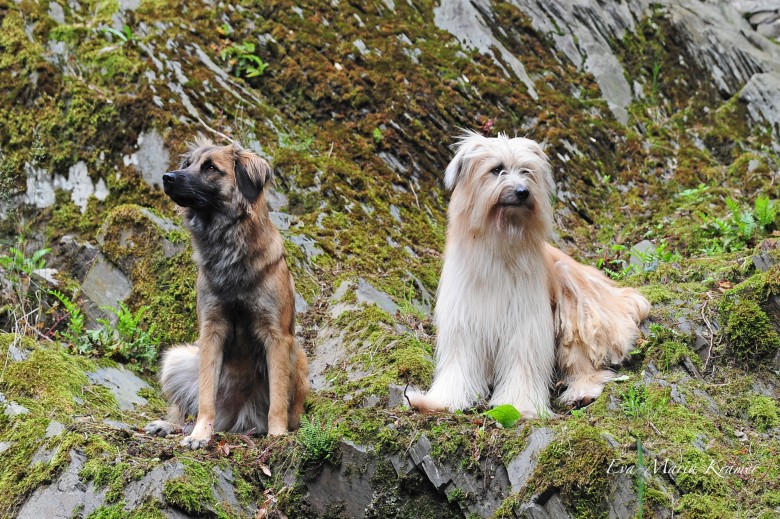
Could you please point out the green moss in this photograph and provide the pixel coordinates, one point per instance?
(764, 413)
(750, 332)
(694, 477)
(668, 348)
(193, 492)
(164, 282)
(702, 506)
(576, 463)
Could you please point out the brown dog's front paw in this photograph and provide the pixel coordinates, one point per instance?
(195, 443)
(277, 430)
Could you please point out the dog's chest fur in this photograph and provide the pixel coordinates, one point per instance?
(494, 298)
(225, 252)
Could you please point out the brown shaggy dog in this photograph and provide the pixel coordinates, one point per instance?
(247, 371)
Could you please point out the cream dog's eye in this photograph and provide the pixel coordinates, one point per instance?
(497, 170)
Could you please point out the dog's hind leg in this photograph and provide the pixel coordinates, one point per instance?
(300, 386)
(585, 382)
(179, 379)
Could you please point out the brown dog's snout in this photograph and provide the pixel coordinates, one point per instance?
(170, 178)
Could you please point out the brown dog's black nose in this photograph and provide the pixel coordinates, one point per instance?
(522, 194)
(169, 178)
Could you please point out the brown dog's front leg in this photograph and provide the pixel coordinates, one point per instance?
(278, 362)
(211, 343)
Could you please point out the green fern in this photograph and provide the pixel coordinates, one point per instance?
(76, 320)
(318, 439)
(764, 211)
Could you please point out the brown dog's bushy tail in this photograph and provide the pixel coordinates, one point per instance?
(179, 379)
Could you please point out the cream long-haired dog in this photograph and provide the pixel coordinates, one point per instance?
(509, 304)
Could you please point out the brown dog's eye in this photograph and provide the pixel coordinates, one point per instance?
(497, 170)
(209, 168)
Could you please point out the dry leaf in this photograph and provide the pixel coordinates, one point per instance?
(266, 469)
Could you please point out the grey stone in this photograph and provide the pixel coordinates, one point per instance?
(329, 351)
(301, 306)
(711, 405)
(16, 354)
(56, 12)
(225, 493)
(76, 255)
(43, 455)
(152, 158)
(276, 201)
(762, 94)
(549, 508)
(119, 426)
(523, 465)
(367, 294)
(639, 253)
(309, 247)
(4, 446)
(465, 20)
(623, 501)
(13, 409)
(280, 220)
(361, 47)
(47, 275)
(370, 401)
(80, 185)
(65, 495)
(53, 429)
(40, 186)
(347, 485)
(395, 397)
(123, 384)
(105, 285)
(151, 485)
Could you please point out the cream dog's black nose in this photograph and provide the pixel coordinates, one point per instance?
(522, 194)
(169, 178)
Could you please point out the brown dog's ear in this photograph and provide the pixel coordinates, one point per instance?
(252, 173)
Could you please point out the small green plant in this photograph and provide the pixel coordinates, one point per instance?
(16, 261)
(294, 142)
(406, 306)
(75, 331)
(656, 76)
(129, 340)
(377, 135)
(578, 413)
(635, 402)
(123, 36)
(506, 415)
(241, 57)
(736, 231)
(317, 438)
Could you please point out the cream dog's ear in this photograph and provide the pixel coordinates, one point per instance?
(466, 146)
(252, 172)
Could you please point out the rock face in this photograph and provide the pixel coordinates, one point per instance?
(660, 120)
(65, 496)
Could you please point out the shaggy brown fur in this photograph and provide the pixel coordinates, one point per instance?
(247, 371)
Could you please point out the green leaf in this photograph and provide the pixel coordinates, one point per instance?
(505, 414)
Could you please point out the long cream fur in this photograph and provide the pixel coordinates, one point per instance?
(509, 304)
